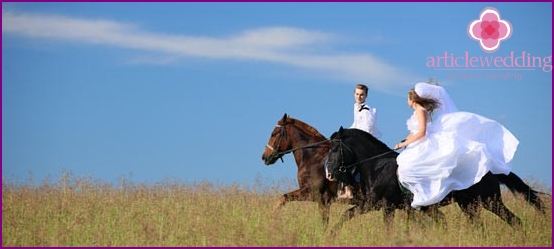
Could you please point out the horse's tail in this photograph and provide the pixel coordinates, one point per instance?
(516, 185)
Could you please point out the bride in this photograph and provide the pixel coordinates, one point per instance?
(448, 149)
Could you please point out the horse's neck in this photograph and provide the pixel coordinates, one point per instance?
(307, 158)
(303, 137)
(373, 155)
(366, 148)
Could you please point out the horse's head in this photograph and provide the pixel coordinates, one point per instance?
(278, 142)
(341, 160)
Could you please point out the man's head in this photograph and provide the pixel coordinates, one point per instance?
(360, 93)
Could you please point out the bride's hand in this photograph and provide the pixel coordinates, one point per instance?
(399, 145)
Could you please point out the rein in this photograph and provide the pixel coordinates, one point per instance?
(343, 168)
(303, 147)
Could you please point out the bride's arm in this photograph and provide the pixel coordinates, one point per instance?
(421, 115)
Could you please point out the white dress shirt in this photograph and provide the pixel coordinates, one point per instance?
(365, 118)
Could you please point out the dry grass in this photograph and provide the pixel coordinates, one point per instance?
(85, 212)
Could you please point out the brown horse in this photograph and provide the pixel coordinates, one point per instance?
(310, 150)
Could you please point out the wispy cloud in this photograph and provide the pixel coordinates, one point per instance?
(286, 45)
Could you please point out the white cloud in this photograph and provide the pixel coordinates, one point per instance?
(287, 45)
(280, 37)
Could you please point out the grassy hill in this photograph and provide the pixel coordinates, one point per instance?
(87, 212)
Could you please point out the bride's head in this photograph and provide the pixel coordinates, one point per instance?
(430, 104)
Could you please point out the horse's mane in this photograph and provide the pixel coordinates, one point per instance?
(305, 127)
(364, 135)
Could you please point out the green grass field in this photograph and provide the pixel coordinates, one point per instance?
(86, 212)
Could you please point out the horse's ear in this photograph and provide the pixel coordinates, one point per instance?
(284, 117)
(340, 131)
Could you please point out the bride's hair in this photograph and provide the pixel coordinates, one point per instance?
(430, 104)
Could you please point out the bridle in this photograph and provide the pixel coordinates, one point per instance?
(276, 153)
(342, 168)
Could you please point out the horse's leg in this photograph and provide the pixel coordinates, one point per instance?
(388, 216)
(470, 210)
(492, 200)
(296, 195)
(281, 202)
(434, 212)
(497, 207)
(325, 207)
(346, 216)
(410, 219)
(410, 213)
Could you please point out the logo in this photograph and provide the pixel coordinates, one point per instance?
(489, 30)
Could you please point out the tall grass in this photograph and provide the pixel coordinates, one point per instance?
(86, 212)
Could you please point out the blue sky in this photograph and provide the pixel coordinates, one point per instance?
(191, 91)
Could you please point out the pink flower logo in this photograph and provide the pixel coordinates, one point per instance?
(489, 30)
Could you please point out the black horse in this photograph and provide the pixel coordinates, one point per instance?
(355, 153)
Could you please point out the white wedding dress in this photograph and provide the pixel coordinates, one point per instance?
(457, 151)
